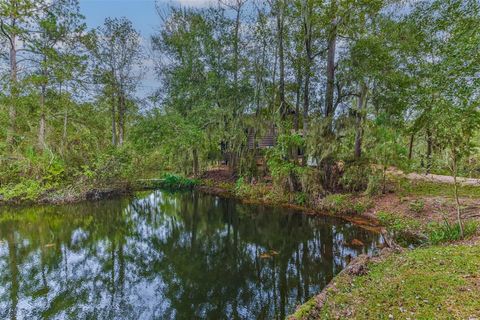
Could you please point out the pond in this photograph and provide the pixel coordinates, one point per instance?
(162, 255)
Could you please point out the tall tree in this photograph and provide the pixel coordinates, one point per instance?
(16, 19)
(331, 51)
(118, 54)
(60, 27)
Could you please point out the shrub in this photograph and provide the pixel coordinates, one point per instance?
(310, 180)
(396, 222)
(375, 184)
(345, 204)
(336, 202)
(404, 230)
(176, 182)
(27, 189)
(258, 191)
(301, 198)
(446, 231)
(286, 174)
(417, 206)
(356, 176)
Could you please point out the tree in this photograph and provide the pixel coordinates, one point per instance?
(60, 28)
(118, 55)
(16, 18)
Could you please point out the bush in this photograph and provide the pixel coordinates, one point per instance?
(355, 178)
(286, 174)
(375, 184)
(417, 206)
(25, 190)
(447, 232)
(258, 191)
(301, 198)
(345, 204)
(397, 223)
(176, 182)
(404, 230)
(310, 180)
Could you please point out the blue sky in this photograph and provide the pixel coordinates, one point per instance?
(142, 13)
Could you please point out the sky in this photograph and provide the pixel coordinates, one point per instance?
(144, 17)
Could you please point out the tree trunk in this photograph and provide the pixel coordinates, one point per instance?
(195, 162)
(42, 128)
(410, 146)
(306, 98)
(114, 123)
(65, 127)
(332, 44)
(429, 149)
(235, 58)
(362, 104)
(307, 33)
(121, 119)
(296, 123)
(12, 112)
(457, 198)
(280, 27)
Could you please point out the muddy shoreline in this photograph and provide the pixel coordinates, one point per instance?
(364, 220)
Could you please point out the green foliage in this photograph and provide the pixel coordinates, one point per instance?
(301, 198)
(24, 190)
(285, 172)
(374, 186)
(305, 309)
(397, 223)
(424, 188)
(345, 204)
(449, 232)
(176, 182)
(310, 180)
(399, 80)
(406, 231)
(356, 176)
(257, 192)
(417, 206)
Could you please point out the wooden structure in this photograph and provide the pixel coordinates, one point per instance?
(257, 140)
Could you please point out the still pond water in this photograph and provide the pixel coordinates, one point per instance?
(165, 255)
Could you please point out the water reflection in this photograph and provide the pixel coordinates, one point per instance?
(167, 256)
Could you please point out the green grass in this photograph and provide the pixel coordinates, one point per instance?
(346, 204)
(408, 231)
(176, 182)
(25, 190)
(169, 182)
(404, 230)
(422, 188)
(427, 283)
(449, 232)
(304, 310)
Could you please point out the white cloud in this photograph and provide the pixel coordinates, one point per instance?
(195, 3)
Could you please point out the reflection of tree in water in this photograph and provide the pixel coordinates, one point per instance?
(181, 255)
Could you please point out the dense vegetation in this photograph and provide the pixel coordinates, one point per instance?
(351, 87)
(317, 103)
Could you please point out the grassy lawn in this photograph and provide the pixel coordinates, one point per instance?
(422, 188)
(439, 282)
